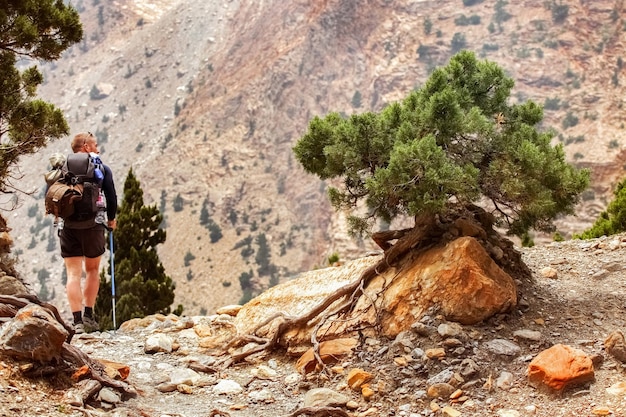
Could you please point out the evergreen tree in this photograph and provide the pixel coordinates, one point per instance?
(142, 287)
(36, 30)
(205, 216)
(449, 146)
(612, 220)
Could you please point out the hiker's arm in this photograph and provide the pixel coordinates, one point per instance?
(108, 187)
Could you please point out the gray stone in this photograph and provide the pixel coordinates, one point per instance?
(110, 396)
(442, 377)
(503, 347)
(526, 334)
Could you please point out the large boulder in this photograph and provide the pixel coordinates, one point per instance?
(459, 280)
(33, 334)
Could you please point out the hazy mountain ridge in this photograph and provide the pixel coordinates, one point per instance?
(215, 95)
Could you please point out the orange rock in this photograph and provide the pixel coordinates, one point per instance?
(329, 351)
(357, 377)
(435, 353)
(115, 370)
(81, 372)
(560, 366)
(367, 392)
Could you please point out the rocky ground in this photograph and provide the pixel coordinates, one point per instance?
(576, 298)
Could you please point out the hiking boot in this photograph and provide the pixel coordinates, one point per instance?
(90, 324)
(79, 328)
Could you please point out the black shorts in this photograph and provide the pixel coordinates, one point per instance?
(82, 242)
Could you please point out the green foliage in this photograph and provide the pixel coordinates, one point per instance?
(471, 2)
(500, 16)
(188, 258)
(570, 120)
(466, 21)
(33, 210)
(611, 221)
(490, 47)
(552, 103)
(428, 26)
(178, 203)
(527, 240)
(95, 93)
(356, 99)
(458, 42)
(245, 280)
(559, 12)
(215, 231)
(332, 259)
(142, 286)
(52, 241)
(263, 255)
(452, 143)
(32, 30)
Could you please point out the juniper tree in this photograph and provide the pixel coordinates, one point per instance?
(142, 286)
(447, 148)
(38, 30)
(612, 220)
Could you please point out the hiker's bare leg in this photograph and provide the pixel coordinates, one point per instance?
(74, 268)
(92, 282)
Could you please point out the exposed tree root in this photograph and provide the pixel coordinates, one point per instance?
(408, 240)
(78, 359)
(429, 230)
(72, 358)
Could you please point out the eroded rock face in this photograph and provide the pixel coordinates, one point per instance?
(459, 280)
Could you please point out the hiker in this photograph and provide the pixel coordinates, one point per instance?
(83, 243)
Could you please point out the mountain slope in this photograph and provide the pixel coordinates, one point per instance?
(207, 99)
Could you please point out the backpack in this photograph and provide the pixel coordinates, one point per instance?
(74, 195)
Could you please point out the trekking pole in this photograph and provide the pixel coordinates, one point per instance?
(112, 277)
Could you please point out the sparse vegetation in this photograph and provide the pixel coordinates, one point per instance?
(458, 42)
(356, 99)
(612, 220)
(189, 257)
(553, 103)
(570, 120)
(467, 21)
(428, 26)
(559, 12)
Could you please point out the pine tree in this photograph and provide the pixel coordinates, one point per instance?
(612, 220)
(38, 30)
(142, 286)
(449, 146)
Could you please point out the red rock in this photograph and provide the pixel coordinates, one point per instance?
(559, 367)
